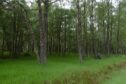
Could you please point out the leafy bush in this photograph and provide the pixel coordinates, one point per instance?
(28, 54)
(5, 54)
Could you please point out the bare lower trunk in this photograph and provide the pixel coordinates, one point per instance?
(79, 32)
(43, 43)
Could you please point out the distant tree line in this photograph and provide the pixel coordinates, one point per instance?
(88, 27)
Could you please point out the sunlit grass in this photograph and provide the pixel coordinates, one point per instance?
(118, 77)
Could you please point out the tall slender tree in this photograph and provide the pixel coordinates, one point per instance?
(79, 31)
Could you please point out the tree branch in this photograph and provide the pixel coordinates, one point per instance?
(54, 1)
(43, 1)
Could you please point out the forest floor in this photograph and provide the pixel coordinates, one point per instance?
(63, 70)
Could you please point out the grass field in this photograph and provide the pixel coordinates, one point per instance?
(28, 71)
(118, 77)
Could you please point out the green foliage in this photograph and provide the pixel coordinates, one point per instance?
(28, 54)
(19, 22)
(5, 55)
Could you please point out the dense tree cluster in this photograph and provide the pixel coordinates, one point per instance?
(49, 26)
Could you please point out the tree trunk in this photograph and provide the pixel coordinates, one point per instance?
(42, 51)
(79, 32)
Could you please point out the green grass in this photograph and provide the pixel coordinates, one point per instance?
(28, 71)
(117, 77)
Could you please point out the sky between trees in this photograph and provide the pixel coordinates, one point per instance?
(67, 4)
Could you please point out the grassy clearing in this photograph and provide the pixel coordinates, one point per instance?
(28, 71)
(117, 77)
(88, 77)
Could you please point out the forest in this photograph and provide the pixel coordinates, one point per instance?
(62, 41)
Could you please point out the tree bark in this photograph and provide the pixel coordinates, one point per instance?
(79, 31)
(43, 38)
